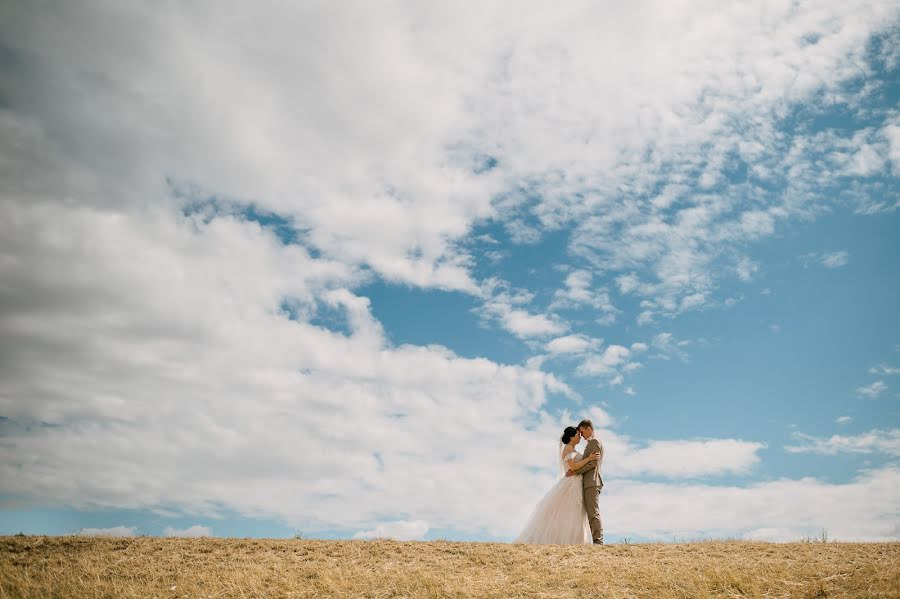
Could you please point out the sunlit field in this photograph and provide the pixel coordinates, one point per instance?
(86, 567)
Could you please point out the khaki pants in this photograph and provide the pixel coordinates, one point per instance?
(592, 507)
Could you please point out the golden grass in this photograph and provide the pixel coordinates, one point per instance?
(89, 567)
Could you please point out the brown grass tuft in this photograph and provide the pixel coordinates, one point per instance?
(93, 567)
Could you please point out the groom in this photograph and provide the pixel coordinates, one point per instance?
(591, 483)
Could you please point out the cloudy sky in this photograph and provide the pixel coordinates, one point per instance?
(347, 269)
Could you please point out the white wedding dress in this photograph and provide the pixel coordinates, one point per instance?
(559, 517)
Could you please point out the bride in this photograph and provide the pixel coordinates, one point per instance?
(559, 517)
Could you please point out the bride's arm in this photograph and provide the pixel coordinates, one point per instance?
(573, 465)
(593, 447)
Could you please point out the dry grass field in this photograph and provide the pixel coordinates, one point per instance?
(89, 567)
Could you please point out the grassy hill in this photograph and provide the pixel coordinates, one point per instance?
(91, 567)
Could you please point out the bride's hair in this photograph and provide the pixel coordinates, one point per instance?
(568, 433)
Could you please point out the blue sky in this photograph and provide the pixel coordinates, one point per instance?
(348, 277)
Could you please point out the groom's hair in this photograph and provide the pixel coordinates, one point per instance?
(585, 424)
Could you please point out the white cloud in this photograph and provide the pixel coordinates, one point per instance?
(891, 132)
(607, 319)
(610, 361)
(868, 205)
(578, 292)
(519, 92)
(572, 344)
(502, 306)
(862, 154)
(730, 301)
(403, 530)
(746, 268)
(835, 259)
(524, 324)
(668, 346)
(866, 161)
(872, 391)
(627, 283)
(255, 128)
(827, 259)
(874, 441)
(864, 509)
(884, 369)
(692, 301)
(669, 244)
(844, 419)
(521, 233)
(114, 531)
(613, 364)
(191, 531)
(680, 458)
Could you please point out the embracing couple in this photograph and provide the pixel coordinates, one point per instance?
(570, 511)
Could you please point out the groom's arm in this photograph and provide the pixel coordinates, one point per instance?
(592, 446)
